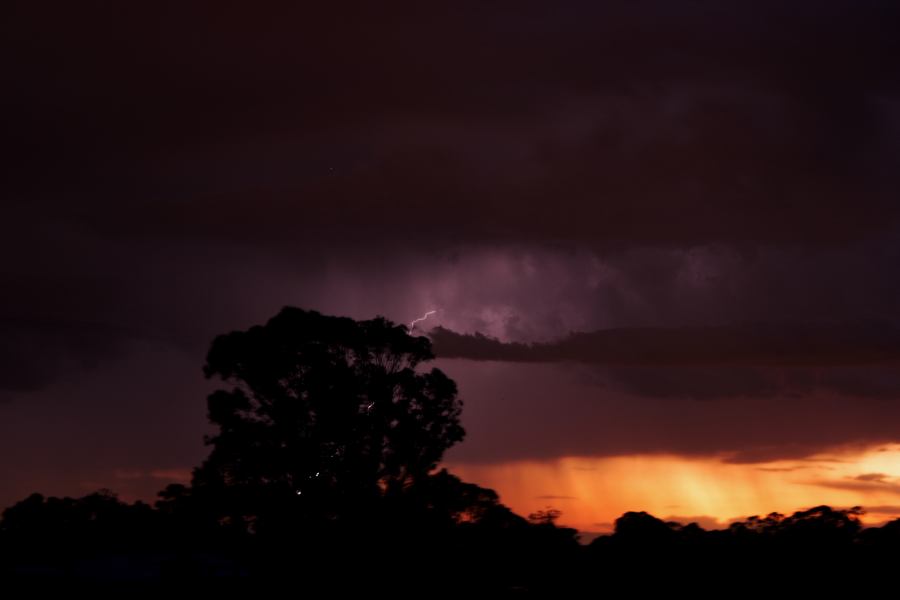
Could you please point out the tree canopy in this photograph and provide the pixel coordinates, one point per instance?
(324, 417)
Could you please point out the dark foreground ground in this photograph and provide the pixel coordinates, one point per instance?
(811, 552)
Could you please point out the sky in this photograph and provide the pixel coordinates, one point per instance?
(661, 239)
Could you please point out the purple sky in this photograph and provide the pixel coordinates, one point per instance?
(707, 189)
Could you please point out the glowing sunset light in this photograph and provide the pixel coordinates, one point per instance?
(593, 492)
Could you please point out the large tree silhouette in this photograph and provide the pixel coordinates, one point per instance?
(326, 418)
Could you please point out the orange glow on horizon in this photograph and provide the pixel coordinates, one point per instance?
(593, 492)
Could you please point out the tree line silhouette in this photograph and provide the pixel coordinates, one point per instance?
(323, 475)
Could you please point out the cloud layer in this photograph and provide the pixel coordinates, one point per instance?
(708, 191)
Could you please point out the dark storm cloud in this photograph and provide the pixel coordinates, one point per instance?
(36, 352)
(177, 170)
(751, 344)
(750, 360)
(534, 411)
(708, 362)
(73, 301)
(599, 125)
(700, 383)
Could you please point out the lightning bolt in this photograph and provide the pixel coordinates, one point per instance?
(412, 325)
